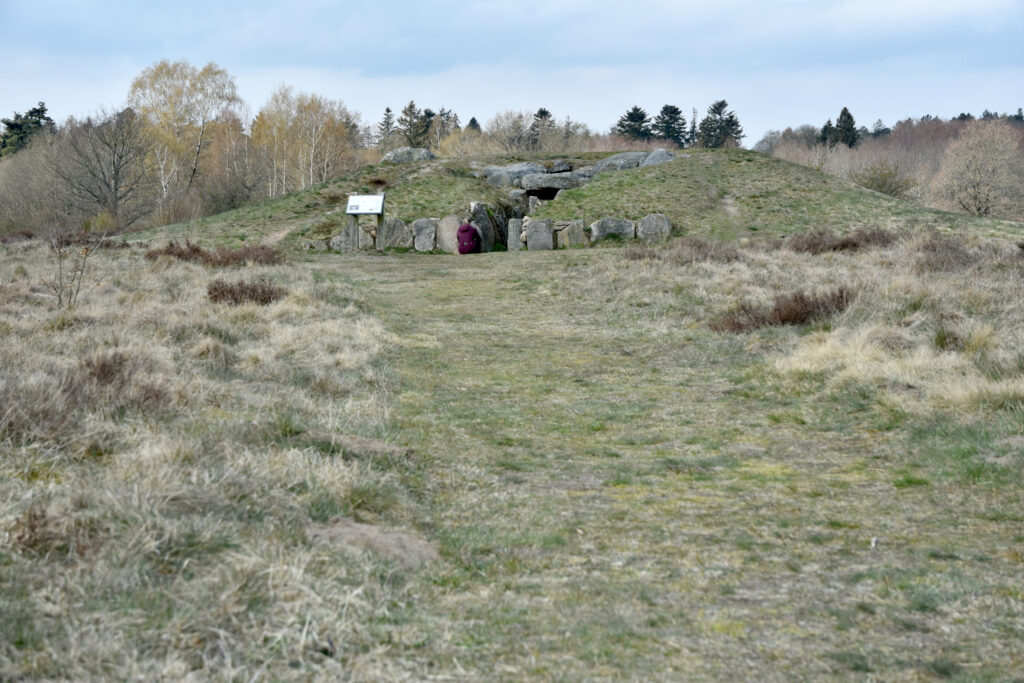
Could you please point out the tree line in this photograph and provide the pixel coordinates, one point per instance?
(719, 128)
(184, 145)
(964, 163)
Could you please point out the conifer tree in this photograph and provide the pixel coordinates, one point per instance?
(846, 129)
(828, 134)
(720, 128)
(542, 122)
(669, 124)
(20, 127)
(409, 125)
(634, 124)
(386, 128)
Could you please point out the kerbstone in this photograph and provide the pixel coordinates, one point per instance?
(540, 235)
(515, 229)
(606, 227)
(447, 234)
(424, 233)
(654, 227)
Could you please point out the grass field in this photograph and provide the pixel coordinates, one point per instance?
(543, 466)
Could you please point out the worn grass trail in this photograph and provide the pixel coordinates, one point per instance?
(628, 498)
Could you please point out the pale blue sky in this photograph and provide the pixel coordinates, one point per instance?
(777, 63)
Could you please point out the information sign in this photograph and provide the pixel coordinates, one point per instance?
(365, 204)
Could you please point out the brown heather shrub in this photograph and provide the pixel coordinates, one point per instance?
(258, 292)
(222, 257)
(939, 252)
(93, 240)
(17, 236)
(796, 308)
(821, 241)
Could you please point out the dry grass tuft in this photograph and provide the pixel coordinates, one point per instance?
(259, 292)
(221, 257)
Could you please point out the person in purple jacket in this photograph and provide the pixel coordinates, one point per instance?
(469, 239)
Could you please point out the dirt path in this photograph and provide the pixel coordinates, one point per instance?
(276, 237)
(616, 502)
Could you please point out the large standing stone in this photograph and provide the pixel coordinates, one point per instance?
(539, 235)
(395, 234)
(515, 227)
(655, 227)
(424, 233)
(447, 234)
(481, 216)
(618, 162)
(405, 155)
(570, 234)
(606, 227)
(658, 156)
(348, 239)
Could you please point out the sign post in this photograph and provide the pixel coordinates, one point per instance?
(365, 205)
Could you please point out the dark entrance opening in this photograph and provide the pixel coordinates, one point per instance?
(544, 194)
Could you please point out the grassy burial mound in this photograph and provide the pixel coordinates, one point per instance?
(728, 194)
(723, 194)
(713, 458)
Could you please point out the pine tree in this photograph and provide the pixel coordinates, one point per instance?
(634, 124)
(19, 128)
(473, 125)
(410, 125)
(720, 128)
(386, 128)
(846, 129)
(828, 134)
(669, 124)
(543, 121)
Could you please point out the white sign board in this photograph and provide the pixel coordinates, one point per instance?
(363, 204)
